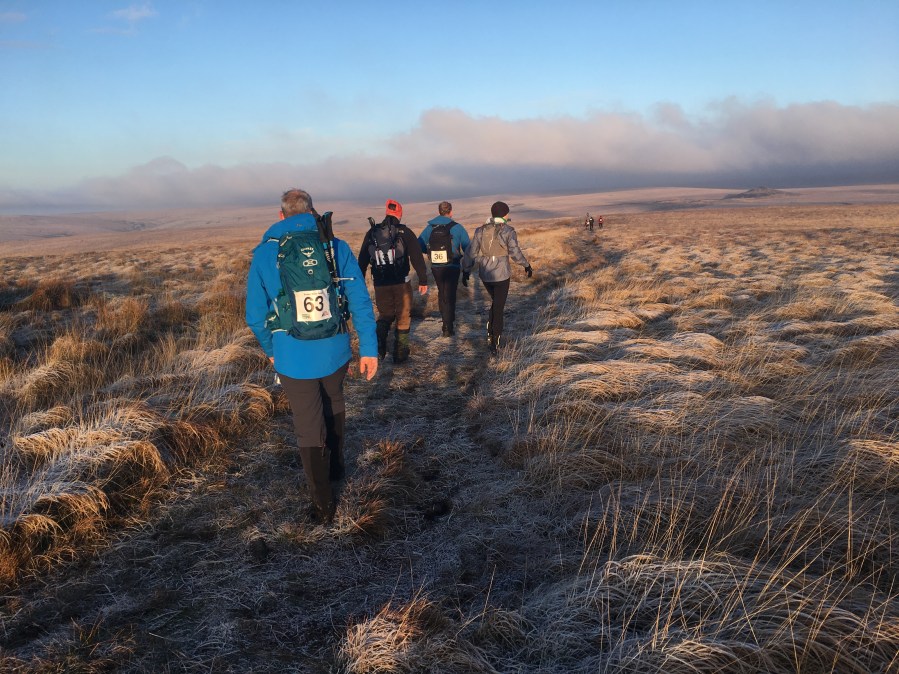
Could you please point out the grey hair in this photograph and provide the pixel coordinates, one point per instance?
(445, 208)
(294, 202)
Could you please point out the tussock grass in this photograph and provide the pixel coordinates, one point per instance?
(122, 316)
(7, 343)
(55, 293)
(54, 381)
(232, 408)
(645, 613)
(740, 426)
(115, 389)
(384, 493)
(409, 638)
(684, 460)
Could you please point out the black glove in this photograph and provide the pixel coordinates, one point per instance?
(465, 276)
(529, 271)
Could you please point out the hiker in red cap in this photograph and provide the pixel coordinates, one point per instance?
(390, 247)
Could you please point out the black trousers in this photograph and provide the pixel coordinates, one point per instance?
(498, 292)
(447, 279)
(319, 409)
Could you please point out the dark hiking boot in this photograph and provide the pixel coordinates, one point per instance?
(494, 343)
(448, 330)
(401, 347)
(322, 515)
(316, 464)
(382, 328)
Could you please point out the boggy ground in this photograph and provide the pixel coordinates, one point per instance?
(685, 460)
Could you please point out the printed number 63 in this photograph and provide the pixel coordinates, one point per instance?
(314, 303)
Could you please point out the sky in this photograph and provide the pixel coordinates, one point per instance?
(107, 104)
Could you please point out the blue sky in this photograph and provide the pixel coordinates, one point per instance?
(169, 103)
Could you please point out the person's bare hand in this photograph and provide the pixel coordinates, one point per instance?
(368, 366)
(422, 290)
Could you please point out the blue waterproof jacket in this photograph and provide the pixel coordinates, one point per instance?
(460, 240)
(307, 358)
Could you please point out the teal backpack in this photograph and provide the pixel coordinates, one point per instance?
(310, 304)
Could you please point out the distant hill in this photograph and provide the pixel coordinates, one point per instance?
(759, 193)
(81, 232)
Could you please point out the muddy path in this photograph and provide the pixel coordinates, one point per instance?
(230, 574)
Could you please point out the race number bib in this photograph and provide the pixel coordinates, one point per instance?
(439, 256)
(312, 305)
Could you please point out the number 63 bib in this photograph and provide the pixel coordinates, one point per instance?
(312, 305)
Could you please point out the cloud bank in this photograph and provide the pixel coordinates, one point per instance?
(451, 154)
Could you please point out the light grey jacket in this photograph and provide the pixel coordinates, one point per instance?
(492, 245)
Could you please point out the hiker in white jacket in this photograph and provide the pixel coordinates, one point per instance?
(493, 245)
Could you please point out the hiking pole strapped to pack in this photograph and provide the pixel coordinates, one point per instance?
(326, 235)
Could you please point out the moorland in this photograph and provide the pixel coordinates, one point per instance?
(686, 458)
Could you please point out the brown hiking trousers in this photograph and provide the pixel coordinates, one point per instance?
(395, 303)
(318, 409)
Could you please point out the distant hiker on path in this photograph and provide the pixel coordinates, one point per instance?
(302, 285)
(493, 244)
(390, 248)
(445, 241)
(599, 223)
(588, 222)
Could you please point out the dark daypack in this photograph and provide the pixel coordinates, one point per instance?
(310, 304)
(440, 243)
(387, 252)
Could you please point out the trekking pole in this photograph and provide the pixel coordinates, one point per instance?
(326, 236)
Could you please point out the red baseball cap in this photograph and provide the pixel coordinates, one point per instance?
(394, 208)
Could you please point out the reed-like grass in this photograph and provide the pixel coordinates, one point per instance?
(725, 454)
(112, 390)
(685, 460)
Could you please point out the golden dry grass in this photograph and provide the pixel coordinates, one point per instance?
(111, 387)
(685, 460)
(743, 421)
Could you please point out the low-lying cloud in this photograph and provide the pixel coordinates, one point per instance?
(451, 154)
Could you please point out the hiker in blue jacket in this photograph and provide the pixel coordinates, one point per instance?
(312, 371)
(446, 273)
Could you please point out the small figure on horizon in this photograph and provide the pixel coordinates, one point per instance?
(599, 222)
(588, 222)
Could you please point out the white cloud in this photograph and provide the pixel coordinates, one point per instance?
(129, 16)
(450, 153)
(135, 13)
